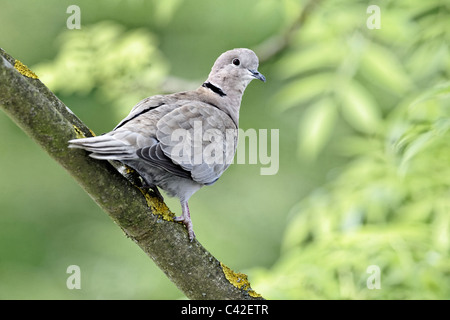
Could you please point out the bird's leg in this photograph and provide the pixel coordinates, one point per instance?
(186, 219)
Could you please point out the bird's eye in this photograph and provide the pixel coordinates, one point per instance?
(236, 62)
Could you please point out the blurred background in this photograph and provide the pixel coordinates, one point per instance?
(361, 101)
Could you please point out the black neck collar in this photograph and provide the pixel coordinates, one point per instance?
(213, 88)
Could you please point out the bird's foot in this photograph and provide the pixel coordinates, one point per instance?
(189, 226)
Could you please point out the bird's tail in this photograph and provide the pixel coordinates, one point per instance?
(106, 147)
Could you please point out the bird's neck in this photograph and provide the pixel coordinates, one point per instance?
(219, 93)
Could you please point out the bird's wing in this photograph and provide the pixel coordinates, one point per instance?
(196, 139)
(141, 108)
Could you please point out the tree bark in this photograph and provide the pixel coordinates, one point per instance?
(142, 217)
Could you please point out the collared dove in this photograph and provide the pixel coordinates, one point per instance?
(182, 141)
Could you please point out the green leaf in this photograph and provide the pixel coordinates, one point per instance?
(314, 57)
(380, 66)
(415, 147)
(359, 108)
(316, 127)
(432, 54)
(441, 90)
(302, 91)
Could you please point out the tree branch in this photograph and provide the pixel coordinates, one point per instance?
(275, 45)
(143, 218)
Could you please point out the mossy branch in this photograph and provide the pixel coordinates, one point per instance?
(142, 217)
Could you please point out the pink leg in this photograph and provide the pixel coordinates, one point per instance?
(186, 219)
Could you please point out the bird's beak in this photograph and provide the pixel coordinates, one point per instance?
(258, 75)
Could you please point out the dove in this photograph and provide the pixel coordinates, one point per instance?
(183, 141)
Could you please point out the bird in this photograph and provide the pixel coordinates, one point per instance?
(182, 141)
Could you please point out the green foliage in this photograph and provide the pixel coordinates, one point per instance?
(123, 66)
(389, 206)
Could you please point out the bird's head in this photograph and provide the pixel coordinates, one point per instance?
(234, 69)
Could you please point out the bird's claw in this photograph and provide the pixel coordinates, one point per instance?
(189, 226)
